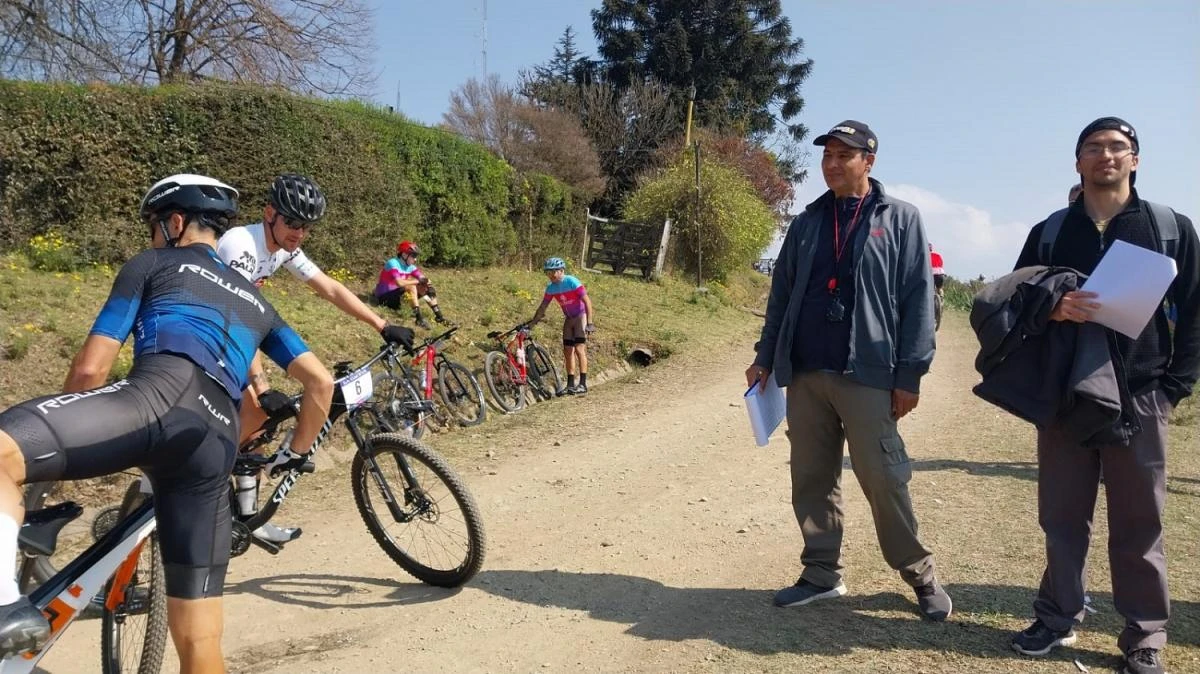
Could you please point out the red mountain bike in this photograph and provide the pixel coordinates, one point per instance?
(520, 364)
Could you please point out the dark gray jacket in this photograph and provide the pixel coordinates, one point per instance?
(1049, 372)
(891, 334)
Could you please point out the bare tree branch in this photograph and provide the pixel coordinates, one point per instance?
(312, 46)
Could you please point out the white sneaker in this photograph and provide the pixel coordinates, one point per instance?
(273, 534)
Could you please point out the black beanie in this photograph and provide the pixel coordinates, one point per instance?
(1107, 124)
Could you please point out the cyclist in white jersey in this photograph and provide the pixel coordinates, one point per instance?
(256, 252)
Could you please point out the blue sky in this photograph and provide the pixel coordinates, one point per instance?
(977, 104)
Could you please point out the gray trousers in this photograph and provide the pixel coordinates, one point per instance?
(825, 409)
(1135, 489)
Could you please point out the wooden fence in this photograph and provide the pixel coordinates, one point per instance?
(625, 246)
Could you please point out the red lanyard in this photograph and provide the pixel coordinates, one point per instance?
(839, 246)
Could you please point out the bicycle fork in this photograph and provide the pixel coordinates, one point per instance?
(394, 507)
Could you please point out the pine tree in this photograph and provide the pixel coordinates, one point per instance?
(740, 55)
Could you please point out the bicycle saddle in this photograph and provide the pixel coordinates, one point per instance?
(39, 534)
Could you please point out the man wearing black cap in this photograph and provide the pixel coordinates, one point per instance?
(1159, 370)
(850, 332)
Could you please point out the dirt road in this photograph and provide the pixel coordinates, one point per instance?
(650, 537)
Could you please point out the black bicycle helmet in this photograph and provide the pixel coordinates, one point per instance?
(297, 197)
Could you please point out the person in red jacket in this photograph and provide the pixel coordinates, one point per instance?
(939, 272)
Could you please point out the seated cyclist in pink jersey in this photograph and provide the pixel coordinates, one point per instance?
(578, 320)
(401, 279)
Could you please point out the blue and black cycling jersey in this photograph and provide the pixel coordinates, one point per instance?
(187, 302)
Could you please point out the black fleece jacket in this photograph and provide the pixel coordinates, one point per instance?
(1154, 359)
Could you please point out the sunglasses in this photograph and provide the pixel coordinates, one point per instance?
(295, 224)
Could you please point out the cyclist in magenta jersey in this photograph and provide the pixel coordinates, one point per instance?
(196, 324)
(578, 320)
(402, 280)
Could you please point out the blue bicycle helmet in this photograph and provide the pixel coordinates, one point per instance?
(553, 263)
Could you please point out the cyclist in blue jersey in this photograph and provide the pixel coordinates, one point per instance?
(196, 325)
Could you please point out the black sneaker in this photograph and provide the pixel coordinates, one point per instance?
(1143, 661)
(570, 391)
(581, 390)
(804, 592)
(22, 628)
(934, 602)
(1037, 639)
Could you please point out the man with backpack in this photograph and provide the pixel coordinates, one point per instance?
(1157, 369)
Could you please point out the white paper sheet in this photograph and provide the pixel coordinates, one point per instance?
(1130, 282)
(766, 409)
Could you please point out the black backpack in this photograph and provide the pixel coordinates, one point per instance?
(1162, 217)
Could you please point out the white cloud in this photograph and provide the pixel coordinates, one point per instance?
(969, 241)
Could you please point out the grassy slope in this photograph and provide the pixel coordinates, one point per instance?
(45, 316)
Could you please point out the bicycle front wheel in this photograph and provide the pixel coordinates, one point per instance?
(542, 372)
(504, 382)
(436, 533)
(461, 394)
(133, 634)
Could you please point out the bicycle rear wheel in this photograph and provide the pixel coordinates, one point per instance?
(504, 382)
(392, 395)
(461, 394)
(438, 537)
(542, 372)
(133, 635)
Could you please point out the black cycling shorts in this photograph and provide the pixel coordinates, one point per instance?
(171, 420)
(574, 330)
(939, 280)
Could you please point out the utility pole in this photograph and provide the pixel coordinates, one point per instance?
(696, 223)
(485, 69)
(687, 137)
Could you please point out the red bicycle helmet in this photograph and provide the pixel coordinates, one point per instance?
(407, 248)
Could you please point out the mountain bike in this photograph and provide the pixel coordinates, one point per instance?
(123, 567)
(518, 365)
(458, 391)
(407, 495)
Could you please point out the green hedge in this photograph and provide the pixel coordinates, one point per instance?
(76, 160)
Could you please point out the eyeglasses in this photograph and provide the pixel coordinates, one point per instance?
(295, 224)
(1117, 149)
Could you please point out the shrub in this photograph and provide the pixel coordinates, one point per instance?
(52, 252)
(734, 224)
(77, 159)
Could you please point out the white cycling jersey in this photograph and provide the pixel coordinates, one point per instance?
(245, 250)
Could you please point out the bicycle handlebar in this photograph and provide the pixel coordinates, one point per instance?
(495, 334)
(428, 341)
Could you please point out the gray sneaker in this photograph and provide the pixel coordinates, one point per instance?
(273, 534)
(1143, 661)
(804, 592)
(934, 602)
(1039, 639)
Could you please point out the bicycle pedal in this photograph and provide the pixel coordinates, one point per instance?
(273, 548)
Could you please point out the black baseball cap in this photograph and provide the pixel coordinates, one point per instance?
(1110, 124)
(853, 133)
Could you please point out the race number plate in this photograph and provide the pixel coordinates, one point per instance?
(356, 388)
